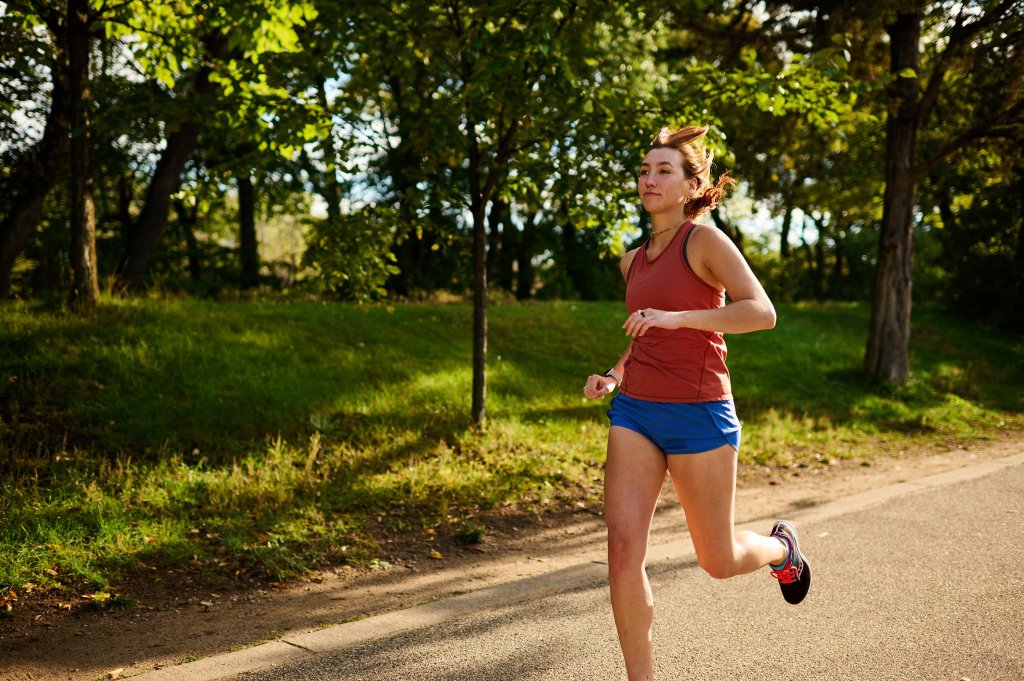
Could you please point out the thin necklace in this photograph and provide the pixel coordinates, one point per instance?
(660, 231)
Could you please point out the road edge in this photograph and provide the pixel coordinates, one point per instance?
(348, 635)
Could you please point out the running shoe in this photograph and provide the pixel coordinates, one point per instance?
(795, 574)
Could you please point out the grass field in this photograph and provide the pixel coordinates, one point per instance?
(262, 439)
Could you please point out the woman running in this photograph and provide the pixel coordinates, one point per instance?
(674, 409)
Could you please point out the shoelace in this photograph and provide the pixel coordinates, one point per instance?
(788, 575)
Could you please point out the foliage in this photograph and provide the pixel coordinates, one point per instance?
(982, 247)
(373, 106)
(972, 198)
(21, 84)
(350, 256)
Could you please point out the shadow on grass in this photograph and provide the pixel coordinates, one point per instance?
(157, 379)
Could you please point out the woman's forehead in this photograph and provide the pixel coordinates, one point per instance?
(663, 155)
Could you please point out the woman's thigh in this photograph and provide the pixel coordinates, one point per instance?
(634, 474)
(706, 485)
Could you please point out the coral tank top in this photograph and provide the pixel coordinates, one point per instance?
(674, 365)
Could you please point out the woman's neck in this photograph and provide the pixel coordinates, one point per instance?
(661, 221)
(664, 227)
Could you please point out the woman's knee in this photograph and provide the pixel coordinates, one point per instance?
(718, 564)
(625, 550)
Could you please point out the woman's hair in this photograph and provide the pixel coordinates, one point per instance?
(697, 161)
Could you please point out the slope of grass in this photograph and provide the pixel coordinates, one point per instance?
(266, 438)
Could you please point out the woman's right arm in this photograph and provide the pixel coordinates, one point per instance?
(599, 385)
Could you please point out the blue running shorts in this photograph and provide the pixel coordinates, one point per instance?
(679, 427)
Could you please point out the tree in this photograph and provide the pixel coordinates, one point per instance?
(468, 92)
(162, 39)
(888, 344)
(950, 36)
(512, 116)
(231, 43)
(70, 25)
(183, 136)
(85, 288)
(33, 171)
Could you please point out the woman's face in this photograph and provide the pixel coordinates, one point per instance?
(661, 183)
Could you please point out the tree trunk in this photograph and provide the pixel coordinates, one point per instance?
(944, 202)
(404, 168)
(332, 189)
(150, 224)
(887, 355)
(188, 220)
(511, 238)
(152, 221)
(836, 285)
(1017, 307)
(503, 275)
(819, 259)
(732, 231)
(572, 263)
(524, 257)
(497, 226)
(478, 207)
(787, 223)
(806, 247)
(32, 178)
(480, 192)
(124, 203)
(85, 289)
(248, 250)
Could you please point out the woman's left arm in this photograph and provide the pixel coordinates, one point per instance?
(721, 265)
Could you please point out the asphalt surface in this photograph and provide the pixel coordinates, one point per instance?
(928, 585)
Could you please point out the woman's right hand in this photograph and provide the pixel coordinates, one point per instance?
(598, 386)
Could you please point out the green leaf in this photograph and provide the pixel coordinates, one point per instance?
(165, 77)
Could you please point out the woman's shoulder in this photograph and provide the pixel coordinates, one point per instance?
(627, 260)
(704, 237)
(709, 229)
(702, 229)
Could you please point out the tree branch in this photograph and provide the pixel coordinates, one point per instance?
(137, 29)
(974, 132)
(503, 153)
(567, 17)
(959, 37)
(49, 14)
(103, 9)
(510, 17)
(455, 21)
(43, 9)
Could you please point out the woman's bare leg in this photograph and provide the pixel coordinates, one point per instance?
(634, 474)
(706, 485)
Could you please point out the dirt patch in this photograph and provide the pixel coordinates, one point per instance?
(176, 620)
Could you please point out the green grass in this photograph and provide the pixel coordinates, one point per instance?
(231, 440)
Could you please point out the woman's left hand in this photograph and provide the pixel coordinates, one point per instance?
(640, 321)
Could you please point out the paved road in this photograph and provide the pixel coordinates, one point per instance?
(929, 585)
